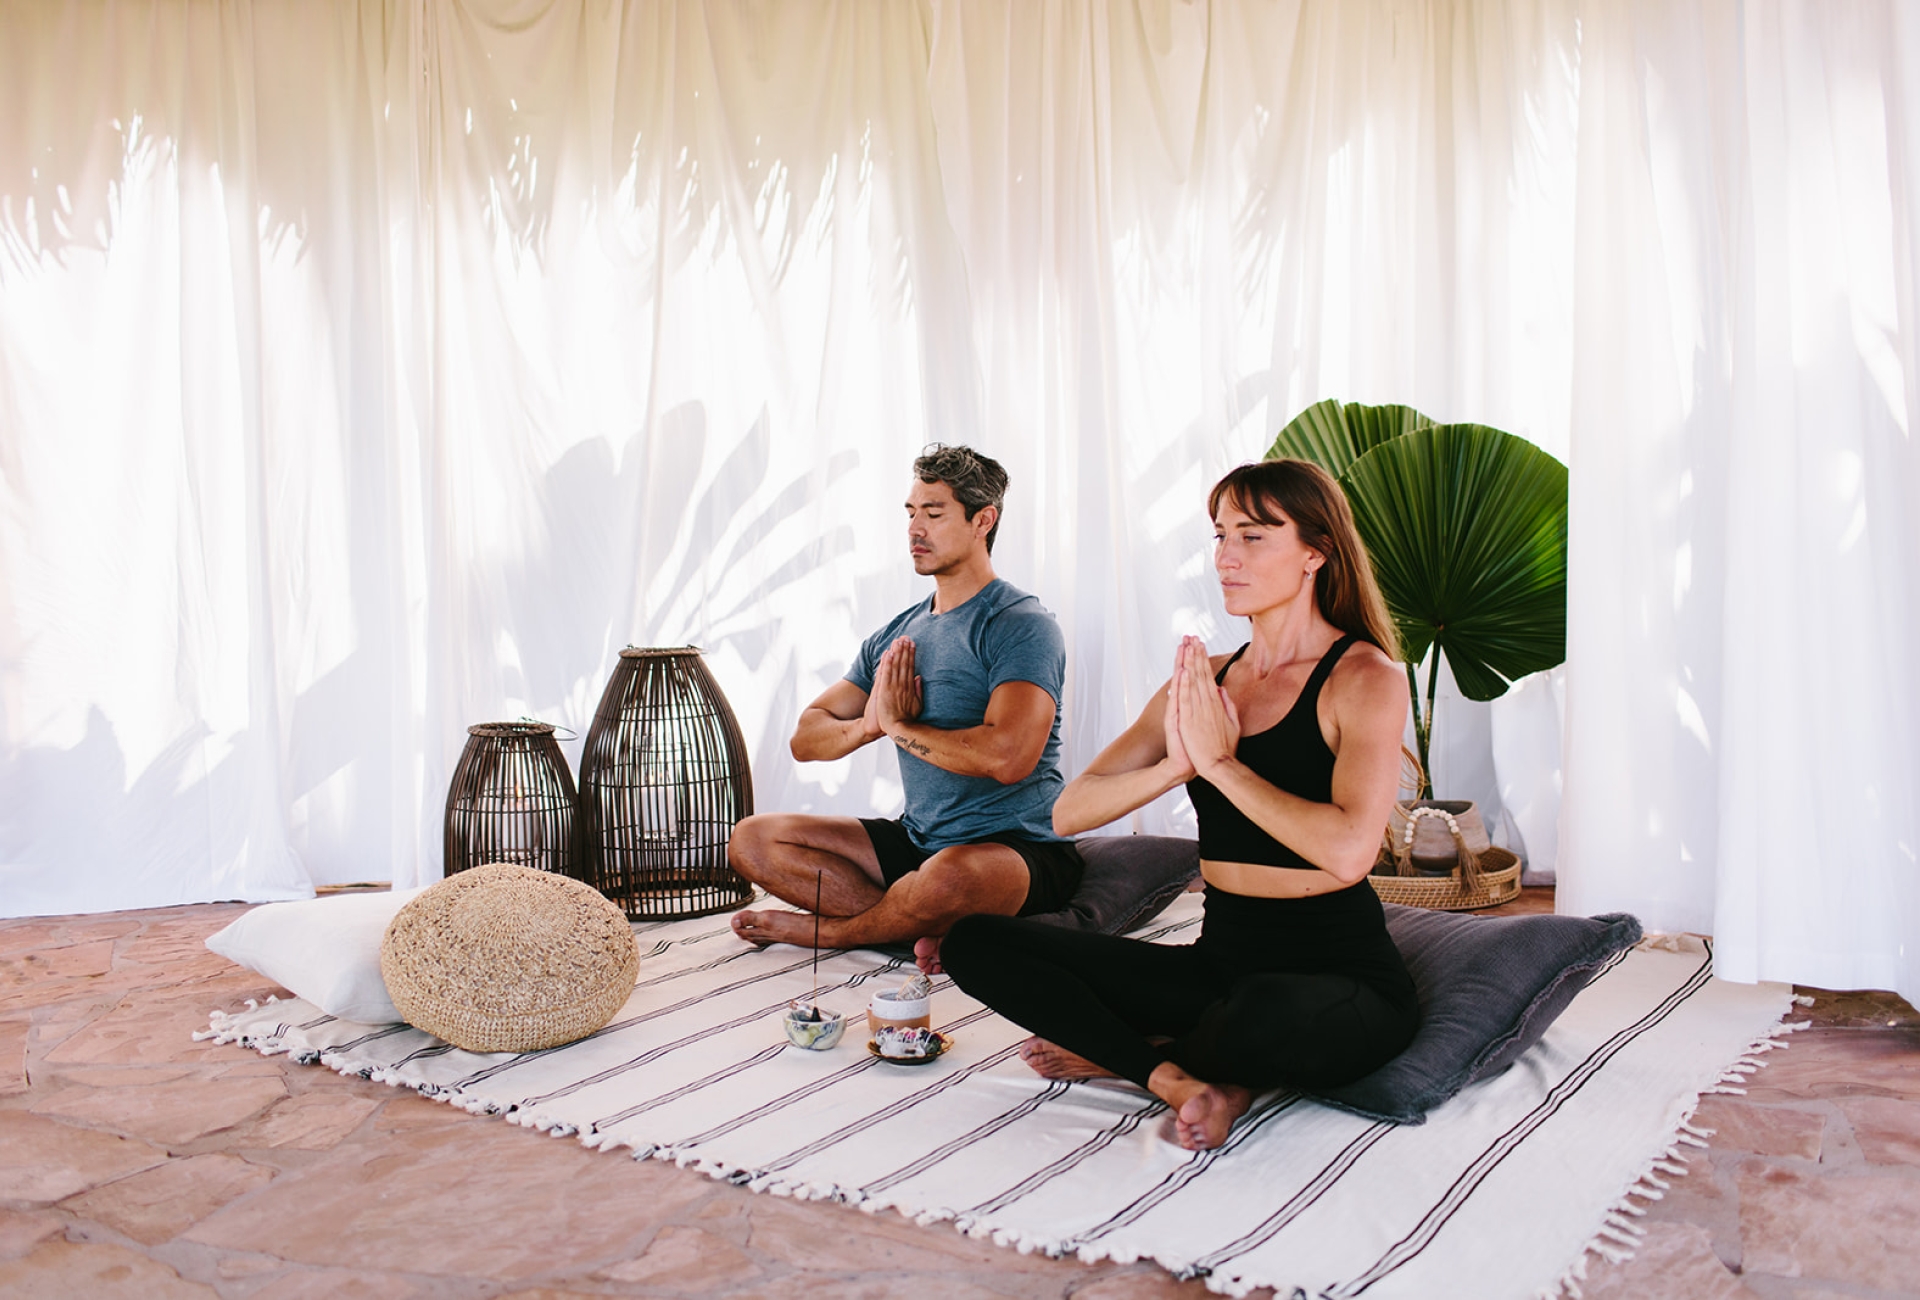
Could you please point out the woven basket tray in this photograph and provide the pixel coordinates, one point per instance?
(1499, 883)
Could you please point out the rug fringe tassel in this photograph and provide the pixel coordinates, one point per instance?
(1618, 1238)
(222, 1028)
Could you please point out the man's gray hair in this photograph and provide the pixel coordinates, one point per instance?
(974, 480)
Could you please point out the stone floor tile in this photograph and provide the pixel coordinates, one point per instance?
(725, 1214)
(70, 962)
(194, 997)
(1699, 1184)
(482, 1200)
(1698, 1198)
(44, 1160)
(22, 1230)
(1675, 1262)
(117, 1076)
(241, 1265)
(315, 1121)
(173, 1113)
(893, 1227)
(134, 1033)
(164, 1201)
(29, 934)
(39, 994)
(935, 1286)
(249, 1066)
(1764, 1130)
(335, 1284)
(405, 1110)
(1852, 1228)
(85, 929)
(96, 1271)
(688, 1261)
(1887, 1129)
(1145, 1283)
(1826, 1063)
(790, 1232)
(1858, 1009)
(169, 946)
(13, 1055)
(59, 1021)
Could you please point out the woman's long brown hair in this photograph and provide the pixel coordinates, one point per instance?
(1344, 589)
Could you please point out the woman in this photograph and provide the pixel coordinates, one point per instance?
(1290, 751)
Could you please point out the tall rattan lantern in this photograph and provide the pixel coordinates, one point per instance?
(511, 800)
(663, 782)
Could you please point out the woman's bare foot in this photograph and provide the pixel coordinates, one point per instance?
(1206, 1116)
(1203, 1112)
(1053, 1062)
(775, 926)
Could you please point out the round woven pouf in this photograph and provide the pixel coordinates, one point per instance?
(503, 958)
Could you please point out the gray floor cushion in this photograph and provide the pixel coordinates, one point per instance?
(1129, 880)
(1489, 988)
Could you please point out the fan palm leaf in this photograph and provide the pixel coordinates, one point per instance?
(1467, 530)
(1334, 434)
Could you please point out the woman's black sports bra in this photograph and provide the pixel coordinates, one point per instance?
(1291, 754)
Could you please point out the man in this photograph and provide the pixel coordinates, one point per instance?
(967, 685)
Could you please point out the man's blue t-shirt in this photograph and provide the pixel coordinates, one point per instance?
(1001, 635)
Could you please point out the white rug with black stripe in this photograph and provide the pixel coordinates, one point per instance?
(1500, 1193)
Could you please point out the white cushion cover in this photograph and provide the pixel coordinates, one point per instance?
(325, 950)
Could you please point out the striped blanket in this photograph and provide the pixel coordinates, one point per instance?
(1501, 1193)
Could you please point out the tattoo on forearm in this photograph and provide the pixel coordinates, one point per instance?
(912, 746)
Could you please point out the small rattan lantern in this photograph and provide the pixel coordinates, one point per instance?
(663, 782)
(511, 800)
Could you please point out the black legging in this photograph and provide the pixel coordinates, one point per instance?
(1309, 992)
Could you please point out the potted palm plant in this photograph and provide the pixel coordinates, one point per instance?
(1467, 530)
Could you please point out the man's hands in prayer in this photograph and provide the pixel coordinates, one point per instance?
(896, 694)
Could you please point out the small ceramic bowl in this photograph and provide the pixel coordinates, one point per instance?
(814, 1035)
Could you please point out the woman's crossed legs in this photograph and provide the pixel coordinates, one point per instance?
(1169, 1018)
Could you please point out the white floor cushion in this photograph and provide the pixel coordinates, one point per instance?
(325, 950)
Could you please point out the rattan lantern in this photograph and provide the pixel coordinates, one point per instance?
(663, 782)
(511, 800)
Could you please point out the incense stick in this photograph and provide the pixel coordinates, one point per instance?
(817, 876)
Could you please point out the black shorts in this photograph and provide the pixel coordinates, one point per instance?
(1053, 866)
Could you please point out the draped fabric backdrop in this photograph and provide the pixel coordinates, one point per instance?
(372, 369)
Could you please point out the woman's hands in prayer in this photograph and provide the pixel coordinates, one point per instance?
(1182, 766)
(1203, 727)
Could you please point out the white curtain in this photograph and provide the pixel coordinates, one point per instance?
(371, 370)
(205, 601)
(1743, 750)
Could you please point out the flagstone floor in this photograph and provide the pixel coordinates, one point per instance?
(135, 1161)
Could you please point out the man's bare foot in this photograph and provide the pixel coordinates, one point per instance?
(1052, 1062)
(775, 926)
(926, 955)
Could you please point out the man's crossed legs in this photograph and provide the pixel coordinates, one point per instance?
(864, 900)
